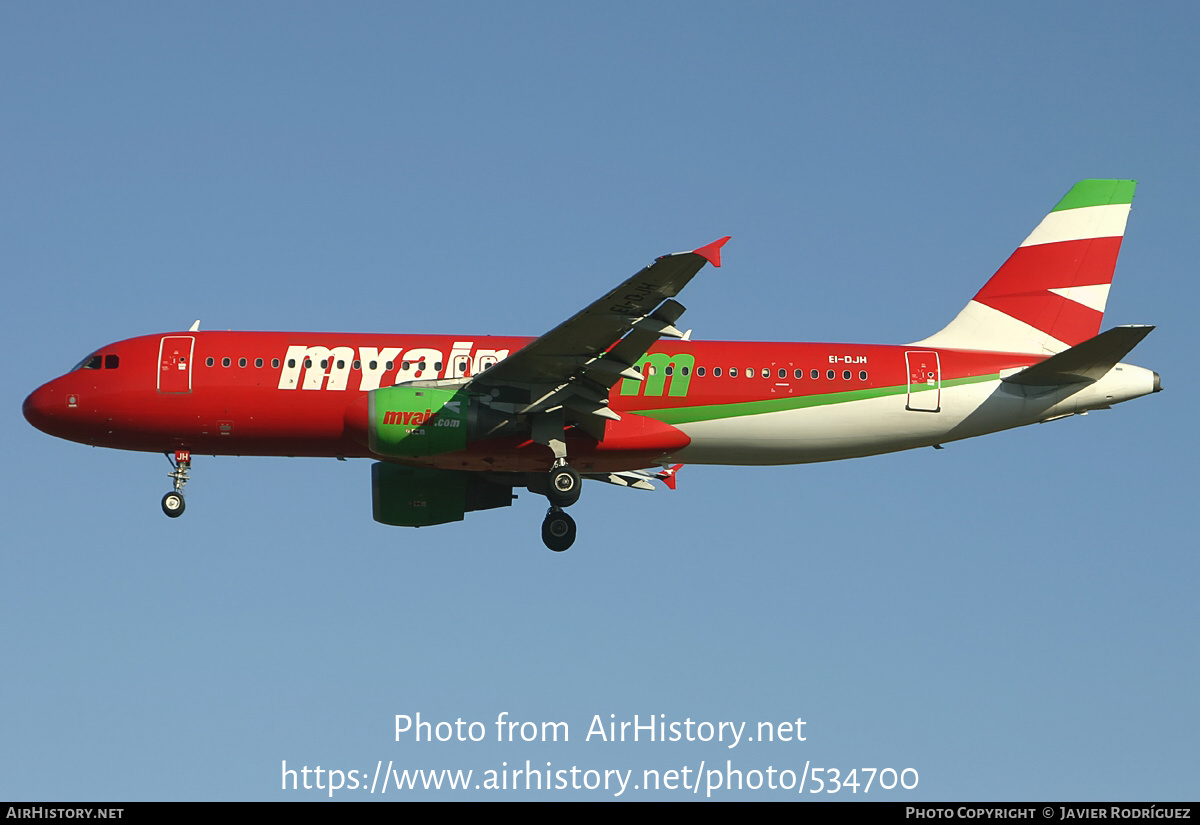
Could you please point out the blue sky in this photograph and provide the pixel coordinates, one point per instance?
(1012, 617)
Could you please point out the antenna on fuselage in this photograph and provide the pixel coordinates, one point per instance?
(195, 327)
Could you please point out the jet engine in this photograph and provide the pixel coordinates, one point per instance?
(408, 422)
(420, 497)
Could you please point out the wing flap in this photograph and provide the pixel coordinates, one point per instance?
(632, 478)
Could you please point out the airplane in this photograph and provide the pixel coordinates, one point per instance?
(617, 393)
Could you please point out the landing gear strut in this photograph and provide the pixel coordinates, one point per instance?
(563, 482)
(558, 530)
(562, 489)
(172, 502)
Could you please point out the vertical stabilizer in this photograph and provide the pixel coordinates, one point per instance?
(1050, 294)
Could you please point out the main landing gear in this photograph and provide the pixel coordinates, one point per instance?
(562, 490)
(565, 485)
(172, 502)
(562, 485)
(558, 530)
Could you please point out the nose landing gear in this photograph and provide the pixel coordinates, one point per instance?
(172, 502)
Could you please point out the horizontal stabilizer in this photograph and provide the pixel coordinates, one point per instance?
(1086, 362)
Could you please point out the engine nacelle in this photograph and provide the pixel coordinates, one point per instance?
(410, 422)
(407, 421)
(421, 497)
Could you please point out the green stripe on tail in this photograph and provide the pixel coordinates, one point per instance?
(1097, 193)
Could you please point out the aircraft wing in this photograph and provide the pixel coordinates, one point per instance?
(575, 364)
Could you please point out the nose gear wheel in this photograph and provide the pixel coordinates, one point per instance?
(172, 503)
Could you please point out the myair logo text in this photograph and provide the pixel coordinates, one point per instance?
(672, 373)
(330, 368)
(399, 417)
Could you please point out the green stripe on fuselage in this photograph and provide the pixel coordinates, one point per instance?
(686, 415)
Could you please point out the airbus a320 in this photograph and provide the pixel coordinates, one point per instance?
(617, 393)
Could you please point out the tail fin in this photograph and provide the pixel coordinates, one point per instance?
(1050, 293)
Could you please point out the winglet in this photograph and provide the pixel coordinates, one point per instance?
(667, 476)
(712, 252)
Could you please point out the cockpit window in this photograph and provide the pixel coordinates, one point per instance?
(111, 362)
(92, 362)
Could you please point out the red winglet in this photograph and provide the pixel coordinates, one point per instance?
(668, 476)
(712, 252)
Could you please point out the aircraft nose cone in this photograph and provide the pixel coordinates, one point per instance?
(38, 408)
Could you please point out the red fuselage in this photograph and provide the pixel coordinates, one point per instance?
(300, 394)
